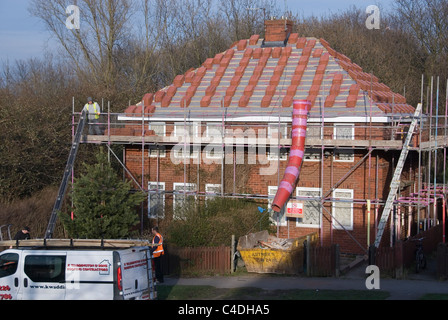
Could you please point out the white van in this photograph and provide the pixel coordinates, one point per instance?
(76, 273)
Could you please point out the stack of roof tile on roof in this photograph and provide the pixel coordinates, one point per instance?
(249, 75)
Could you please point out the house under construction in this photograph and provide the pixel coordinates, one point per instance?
(370, 164)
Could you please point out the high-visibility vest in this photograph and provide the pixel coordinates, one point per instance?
(159, 250)
(93, 112)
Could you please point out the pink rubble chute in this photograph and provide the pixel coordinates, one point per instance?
(299, 124)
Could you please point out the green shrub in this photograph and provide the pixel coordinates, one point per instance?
(213, 222)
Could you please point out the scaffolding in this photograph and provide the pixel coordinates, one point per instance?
(373, 133)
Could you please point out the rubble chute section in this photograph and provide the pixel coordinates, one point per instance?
(299, 125)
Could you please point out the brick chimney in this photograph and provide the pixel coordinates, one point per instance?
(277, 30)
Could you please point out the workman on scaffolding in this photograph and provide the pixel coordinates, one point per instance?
(93, 110)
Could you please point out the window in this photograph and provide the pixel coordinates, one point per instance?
(155, 151)
(277, 131)
(314, 132)
(158, 127)
(343, 209)
(344, 132)
(272, 191)
(214, 130)
(344, 155)
(274, 152)
(215, 148)
(182, 129)
(180, 198)
(214, 189)
(8, 264)
(156, 199)
(311, 207)
(312, 154)
(45, 268)
(189, 152)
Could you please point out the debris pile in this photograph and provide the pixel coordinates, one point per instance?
(276, 243)
(262, 240)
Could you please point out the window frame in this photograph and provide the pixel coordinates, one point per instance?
(334, 204)
(153, 183)
(305, 225)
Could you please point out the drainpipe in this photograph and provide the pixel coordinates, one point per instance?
(299, 124)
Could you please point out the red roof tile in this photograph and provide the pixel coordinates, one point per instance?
(249, 75)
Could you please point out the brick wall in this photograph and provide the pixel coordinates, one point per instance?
(247, 179)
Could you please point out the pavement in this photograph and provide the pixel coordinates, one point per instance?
(413, 287)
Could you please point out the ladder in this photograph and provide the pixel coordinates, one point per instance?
(67, 172)
(396, 177)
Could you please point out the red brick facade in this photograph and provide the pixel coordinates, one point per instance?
(370, 180)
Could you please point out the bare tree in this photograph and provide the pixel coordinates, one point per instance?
(246, 17)
(427, 20)
(104, 27)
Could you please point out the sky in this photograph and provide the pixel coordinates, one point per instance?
(23, 36)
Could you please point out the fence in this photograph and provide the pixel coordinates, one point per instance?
(392, 260)
(200, 260)
(322, 261)
(442, 261)
(319, 261)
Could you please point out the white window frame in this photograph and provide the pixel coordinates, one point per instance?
(218, 149)
(273, 152)
(272, 190)
(308, 129)
(339, 125)
(210, 189)
(192, 154)
(193, 125)
(304, 225)
(337, 204)
(308, 153)
(153, 151)
(283, 130)
(160, 184)
(350, 153)
(161, 124)
(273, 155)
(177, 184)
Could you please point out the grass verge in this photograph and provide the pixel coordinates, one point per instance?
(180, 292)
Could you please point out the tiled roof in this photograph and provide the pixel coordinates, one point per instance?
(249, 75)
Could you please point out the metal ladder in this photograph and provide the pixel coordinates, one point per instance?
(396, 177)
(67, 172)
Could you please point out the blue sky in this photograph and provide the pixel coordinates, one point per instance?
(23, 36)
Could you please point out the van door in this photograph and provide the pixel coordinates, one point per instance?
(9, 275)
(43, 276)
(136, 273)
(89, 275)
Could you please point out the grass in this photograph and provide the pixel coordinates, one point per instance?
(180, 292)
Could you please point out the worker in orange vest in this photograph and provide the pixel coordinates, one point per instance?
(157, 253)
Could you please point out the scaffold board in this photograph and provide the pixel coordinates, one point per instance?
(77, 243)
